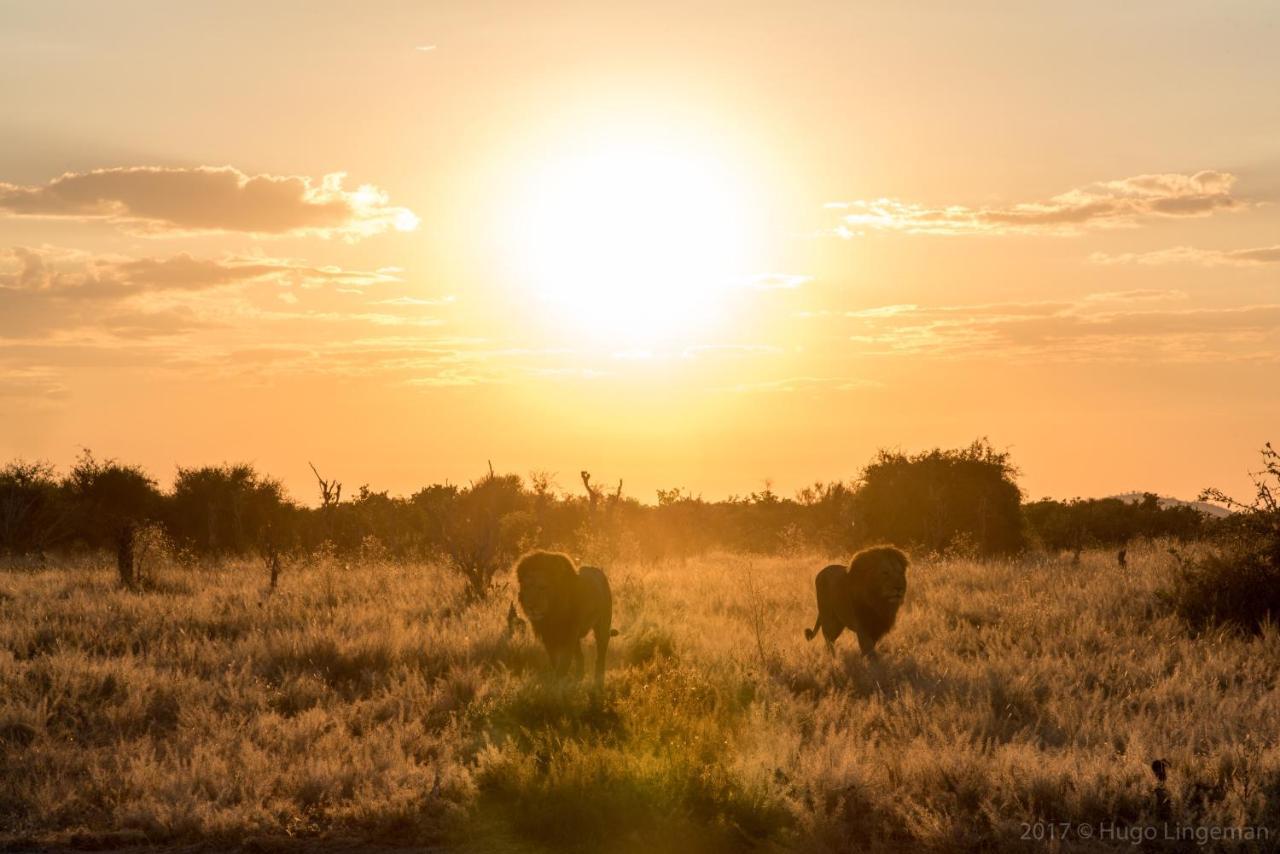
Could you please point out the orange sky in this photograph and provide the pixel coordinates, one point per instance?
(697, 245)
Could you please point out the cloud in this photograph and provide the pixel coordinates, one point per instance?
(375, 318)
(153, 324)
(695, 350)
(793, 384)
(1191, 255)
(410, 361)
(778, 281)
(415, 301)
(64, 311)
(159, 201)
(1097, 327)
(38, 372)
(30, 384)
(1107, 204)
(1137, 295)
(71, 275)
(48, 289)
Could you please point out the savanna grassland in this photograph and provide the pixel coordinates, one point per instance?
(370, 701)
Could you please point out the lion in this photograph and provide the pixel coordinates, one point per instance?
(863, 597)
(563, 604)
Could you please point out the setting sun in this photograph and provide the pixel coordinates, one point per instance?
(633, 242)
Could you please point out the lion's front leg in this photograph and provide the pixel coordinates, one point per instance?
(868, 646)
(560, 659)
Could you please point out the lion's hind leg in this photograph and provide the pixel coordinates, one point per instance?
(828, 585)
(602, 633)
(830, 632)
(601, 616)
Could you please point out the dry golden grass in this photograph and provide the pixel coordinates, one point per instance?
(372, 703)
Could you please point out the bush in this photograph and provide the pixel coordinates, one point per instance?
(225, 509)
(481, 529)
(106, 498)
(1239, 583)
(935, 499)
(33, 510)
(1094, 522)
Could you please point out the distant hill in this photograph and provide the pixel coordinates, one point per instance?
(1203, 506)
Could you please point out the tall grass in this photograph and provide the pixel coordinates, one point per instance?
(378, 702)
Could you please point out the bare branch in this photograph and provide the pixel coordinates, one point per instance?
(330, 490)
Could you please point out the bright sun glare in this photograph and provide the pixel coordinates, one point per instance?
(635, 243)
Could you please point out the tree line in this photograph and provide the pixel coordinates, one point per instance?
(957, 500)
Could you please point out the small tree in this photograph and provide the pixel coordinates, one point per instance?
(224, 509)
(828, 516)
(1265, 507)
(1239, 582)
(940, 499)
(150, 546)
(110, 503)
(481, 529)
(33, 511)
(330, 498)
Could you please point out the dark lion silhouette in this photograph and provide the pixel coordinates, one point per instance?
(563, 604)
(863, 597)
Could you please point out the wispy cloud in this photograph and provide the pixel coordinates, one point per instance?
(1107, 204)
(415, 301)
(778, 281)
(1191, 255)
(48, 289)
(73, 275)
(30, 384)
(804, 383)
(1097, 327)
(410, 361)
(376, 318)
(1136, 295)
(154, 323)
(696, 350)
(62, 311)
(160, 201)
(38, 372)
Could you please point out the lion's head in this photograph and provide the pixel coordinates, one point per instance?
(890, 575)
(879, 576)
(546, 581)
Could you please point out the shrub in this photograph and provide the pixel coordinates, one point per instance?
(33, 512)
(481, 529)
(1092, 522)
(1239, 582)
(107, 497)
(224, 509)
(933, 499)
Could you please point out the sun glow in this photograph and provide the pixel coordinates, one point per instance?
(635, 242)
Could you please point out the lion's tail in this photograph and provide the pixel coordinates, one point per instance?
(613, 633)
(810, 634)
